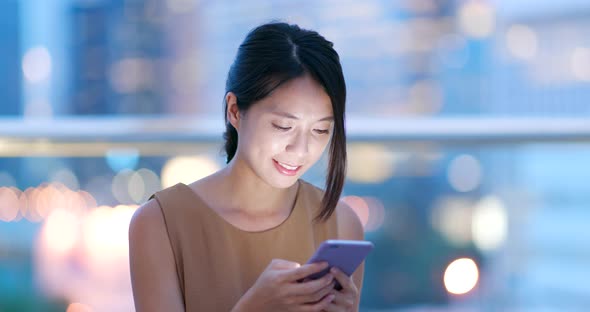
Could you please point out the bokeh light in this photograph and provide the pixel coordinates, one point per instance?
(580, 63)
(45, 199)
(102, 231)
(370, 211)
(369, 163)
(187, 169)
(79, 202)
(141, 184)
(36, 64)
(121, 185)
(9, 204)
(359, 206)
(376, 214)
(22, 206)
(464, 173)
(29, 211)
(476, 18)
(88, 200)
(521, 42)
(136, 187)
(37, 203)
(132, 75)
(66, 177)
(490, 223)
(151, 183)
(461, 276)
(60, 231)
(452, 216)
(80, 256)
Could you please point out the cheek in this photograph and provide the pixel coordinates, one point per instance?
(269, 144)
(275, 145)
(317, 148)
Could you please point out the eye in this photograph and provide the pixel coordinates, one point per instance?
(281, 128)
(321, 131)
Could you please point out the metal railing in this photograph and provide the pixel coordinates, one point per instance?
(93, 136)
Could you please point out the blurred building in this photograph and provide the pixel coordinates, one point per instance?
(11, 77)
(117, 54)
(10, 61)
(544, 66)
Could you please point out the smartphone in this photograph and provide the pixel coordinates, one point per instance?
(345, 255)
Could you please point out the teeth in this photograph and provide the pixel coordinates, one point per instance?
(287, 166)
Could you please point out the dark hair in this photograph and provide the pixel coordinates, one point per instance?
(273, 54)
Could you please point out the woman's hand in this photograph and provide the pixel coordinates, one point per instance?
(345, 299)
(278, 288)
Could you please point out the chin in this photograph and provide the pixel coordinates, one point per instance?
(278, 180)
(284, 182)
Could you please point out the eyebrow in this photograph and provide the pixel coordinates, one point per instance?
(291, 116)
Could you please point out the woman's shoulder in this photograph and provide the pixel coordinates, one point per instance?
(169, 191)
(152, 260)
(152, 214)
(148, 217)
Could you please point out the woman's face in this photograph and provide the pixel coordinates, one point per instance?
(284, 134)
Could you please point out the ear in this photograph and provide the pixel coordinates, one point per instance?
(233, 112)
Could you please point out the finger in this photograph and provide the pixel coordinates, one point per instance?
(284, 264)
(320, 305)
(304, 271)
(344, 280)
(317, 295)
(332, 307)
(309, 288)
(341, 302)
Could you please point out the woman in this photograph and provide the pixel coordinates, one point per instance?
(236, 240)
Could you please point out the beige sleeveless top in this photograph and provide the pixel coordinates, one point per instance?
(217, 262)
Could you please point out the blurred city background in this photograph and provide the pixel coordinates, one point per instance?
(469, 141)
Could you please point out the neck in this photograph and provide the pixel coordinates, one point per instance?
(251, 196)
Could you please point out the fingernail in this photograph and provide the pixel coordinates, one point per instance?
(333, 270)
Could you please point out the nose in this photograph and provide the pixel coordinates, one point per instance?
(299, 145)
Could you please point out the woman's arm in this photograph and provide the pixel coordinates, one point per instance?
(153, 270)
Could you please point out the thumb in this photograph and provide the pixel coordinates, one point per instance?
(284, 264)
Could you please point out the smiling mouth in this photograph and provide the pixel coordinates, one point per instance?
(286, 169)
